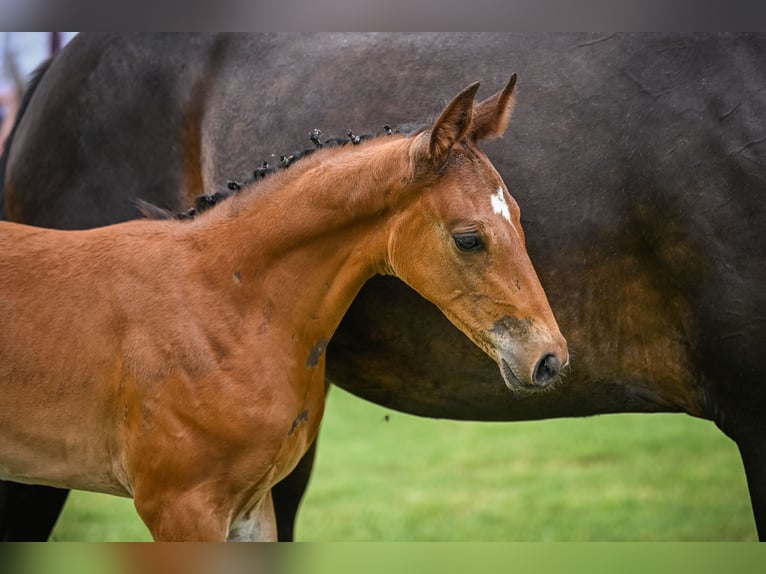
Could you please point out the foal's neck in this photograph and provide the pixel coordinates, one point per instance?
(305, 240)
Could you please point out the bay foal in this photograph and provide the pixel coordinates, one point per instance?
(182, 362)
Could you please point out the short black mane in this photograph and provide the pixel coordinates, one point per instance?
(204, 202)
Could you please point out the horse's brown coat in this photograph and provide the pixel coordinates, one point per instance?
(182, 363)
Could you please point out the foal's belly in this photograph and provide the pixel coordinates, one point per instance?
(21, 464)
(55, 472)
(50, 440)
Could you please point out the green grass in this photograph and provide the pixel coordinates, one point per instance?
(383, 475)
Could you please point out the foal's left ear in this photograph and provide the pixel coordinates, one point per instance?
(452, 126)
(491, 116)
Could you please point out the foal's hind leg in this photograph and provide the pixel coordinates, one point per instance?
(257, 524)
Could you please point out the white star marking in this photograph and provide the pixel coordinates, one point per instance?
(500, 206)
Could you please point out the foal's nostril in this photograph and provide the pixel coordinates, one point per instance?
(547, 369)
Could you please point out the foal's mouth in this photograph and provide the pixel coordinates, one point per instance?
(511, 380)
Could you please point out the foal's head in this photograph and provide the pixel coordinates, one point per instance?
(458, 241)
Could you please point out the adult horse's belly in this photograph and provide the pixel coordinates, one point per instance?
(396, 349)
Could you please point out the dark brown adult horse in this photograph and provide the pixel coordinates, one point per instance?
(182, 363)
(639, 161)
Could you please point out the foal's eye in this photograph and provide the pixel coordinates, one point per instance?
(468, 241)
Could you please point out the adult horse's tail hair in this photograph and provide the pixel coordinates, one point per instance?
(34, 81)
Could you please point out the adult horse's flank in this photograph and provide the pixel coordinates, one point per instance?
(182, 363)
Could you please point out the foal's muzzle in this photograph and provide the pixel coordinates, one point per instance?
(531, 365)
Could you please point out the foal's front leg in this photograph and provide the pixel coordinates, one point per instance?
(183, 517)
(188, 517)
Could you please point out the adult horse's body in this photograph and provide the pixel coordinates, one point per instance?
(639, 161)
(182, 363)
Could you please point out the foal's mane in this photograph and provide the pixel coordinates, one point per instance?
(206, 201)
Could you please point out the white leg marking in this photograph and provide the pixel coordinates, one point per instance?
(257, 524)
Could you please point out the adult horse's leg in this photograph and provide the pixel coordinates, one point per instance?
(753, 453)
(732, 323)
(29, 512)
(748, 432)
(288, 494)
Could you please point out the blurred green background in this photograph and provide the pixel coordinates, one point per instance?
(385, 476)
(375, 558)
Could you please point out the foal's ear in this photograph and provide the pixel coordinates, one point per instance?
(490, 117)
(452, 126)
